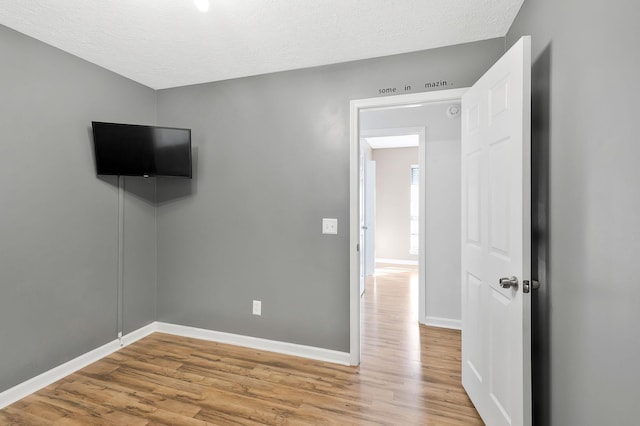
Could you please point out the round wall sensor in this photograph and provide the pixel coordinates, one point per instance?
(453, 111)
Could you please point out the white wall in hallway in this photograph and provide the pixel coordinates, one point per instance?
(393, 168)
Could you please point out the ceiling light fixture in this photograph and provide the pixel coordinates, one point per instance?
(202, 5)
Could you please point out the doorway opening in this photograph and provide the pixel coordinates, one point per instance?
(380, 120)
(389, 193)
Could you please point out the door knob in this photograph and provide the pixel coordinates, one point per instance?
(508, 282)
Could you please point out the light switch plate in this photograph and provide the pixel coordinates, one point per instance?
(329, 226)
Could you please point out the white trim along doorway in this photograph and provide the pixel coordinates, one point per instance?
(354, 204)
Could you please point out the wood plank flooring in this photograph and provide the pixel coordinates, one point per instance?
(409, 375)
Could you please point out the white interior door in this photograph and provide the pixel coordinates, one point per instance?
(370, 217)
(363, 227)
(496, 129)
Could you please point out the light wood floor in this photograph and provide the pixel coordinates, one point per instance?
(409, 375)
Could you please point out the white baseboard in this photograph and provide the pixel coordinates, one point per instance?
(442, 322)
(34, 384)
(138, 334)
(286, 348)
(397, 261)
(40, 381)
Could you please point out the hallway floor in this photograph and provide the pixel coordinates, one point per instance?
(421, 364)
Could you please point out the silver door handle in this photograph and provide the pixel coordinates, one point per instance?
(508, 282)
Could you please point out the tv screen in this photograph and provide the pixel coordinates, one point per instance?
(135, 150)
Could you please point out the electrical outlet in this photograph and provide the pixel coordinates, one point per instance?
(257, 307)
(329, 226)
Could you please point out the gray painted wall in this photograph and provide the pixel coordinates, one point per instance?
(586, 201)
(442, 228)
(273, 160)
(58, 222)
(139, 278)
(433, 116)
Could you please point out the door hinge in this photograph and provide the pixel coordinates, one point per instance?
(527, 286)
(358, 247)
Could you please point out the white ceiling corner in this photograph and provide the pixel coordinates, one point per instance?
(169, 43)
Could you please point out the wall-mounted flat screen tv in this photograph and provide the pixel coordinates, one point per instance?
(135, 150)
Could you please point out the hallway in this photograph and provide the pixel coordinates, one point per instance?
(419, 364)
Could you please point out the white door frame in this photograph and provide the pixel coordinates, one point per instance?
(354, 206)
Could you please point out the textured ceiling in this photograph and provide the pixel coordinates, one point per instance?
(168, 43)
